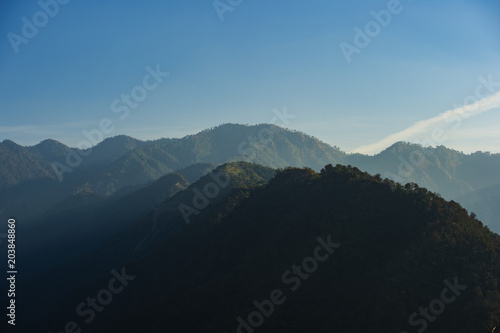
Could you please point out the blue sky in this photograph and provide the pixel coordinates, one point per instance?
(264, 55)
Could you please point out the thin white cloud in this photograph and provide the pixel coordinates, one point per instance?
(471, 110)
(41, 129)
(17, 129)
(32, 134)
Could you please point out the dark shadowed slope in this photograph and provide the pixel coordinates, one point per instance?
(83, 221)
(392, 250)
(140, 237)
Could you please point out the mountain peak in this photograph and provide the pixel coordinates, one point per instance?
(10, 143)
(50, 143)
(120, 141)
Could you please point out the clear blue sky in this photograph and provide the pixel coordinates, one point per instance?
(264, 55)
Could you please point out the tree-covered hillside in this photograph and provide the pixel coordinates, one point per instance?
(338, 250)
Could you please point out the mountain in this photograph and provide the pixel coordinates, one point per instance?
(109, 150)
(449, 171)
(139, 238)
(19, 164)
(28, 184)
(338, 250)
(83, 221)
(473, 180)
(485, 203)
(50, 150)
(263, 144)
(122, 162)
(195, 171)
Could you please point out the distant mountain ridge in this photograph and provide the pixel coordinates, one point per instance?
(215, 145)
(29, 185)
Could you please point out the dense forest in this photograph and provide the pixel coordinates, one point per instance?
(336, 250)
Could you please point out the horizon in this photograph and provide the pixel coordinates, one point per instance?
(249, 125)
(355, 75)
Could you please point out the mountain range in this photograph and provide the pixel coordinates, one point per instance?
(35, 179)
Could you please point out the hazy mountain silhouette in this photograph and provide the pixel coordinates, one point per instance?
(83, 221)
(473, 180)
(29, 185)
